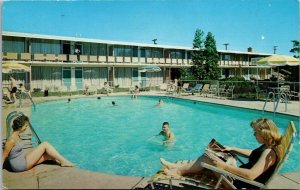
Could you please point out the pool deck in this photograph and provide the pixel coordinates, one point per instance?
(51, 176)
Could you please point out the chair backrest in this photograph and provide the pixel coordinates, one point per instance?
(285, 147)
(205, 87)
(213, 87)
(185, 85)
(198, 86)
(9, 121)
(230, 88)
(163, 86)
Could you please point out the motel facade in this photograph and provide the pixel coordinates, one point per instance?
(70, 63)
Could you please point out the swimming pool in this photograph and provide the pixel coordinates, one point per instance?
(98, 136)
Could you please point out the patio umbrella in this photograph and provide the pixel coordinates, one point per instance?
(277, 61)
(150, 68)
(14, 68)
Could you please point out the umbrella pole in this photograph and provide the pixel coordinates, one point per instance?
(278, 78)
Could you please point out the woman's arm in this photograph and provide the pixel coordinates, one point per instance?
(239, 151)
(7, 148)
(266, 160)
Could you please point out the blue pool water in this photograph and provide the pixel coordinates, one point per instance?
(115, 139)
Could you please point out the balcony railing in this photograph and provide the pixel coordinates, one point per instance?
(39, 57)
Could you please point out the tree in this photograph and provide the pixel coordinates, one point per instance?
(296, 48)
(212, 70)
(185, 74)
(293, 76)
(197, 69)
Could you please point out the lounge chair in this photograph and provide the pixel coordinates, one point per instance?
(221, 88)
(207, 178)
(163, 87)
(93, 90)
(213, 90)
(295, 95)
(196, 88)
(185, 87)
(204, 90)
(260, 92)
(228, 92)
(5, 93)
(171, 89)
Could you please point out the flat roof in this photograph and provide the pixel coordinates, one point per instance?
(79, 39)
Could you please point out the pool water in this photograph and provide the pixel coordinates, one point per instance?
(98, 136)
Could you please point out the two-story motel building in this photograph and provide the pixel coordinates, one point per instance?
(55, 61)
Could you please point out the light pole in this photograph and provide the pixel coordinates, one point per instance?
(226, 44)
(274, 49)
(154, 41)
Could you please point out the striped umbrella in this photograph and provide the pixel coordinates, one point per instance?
(278, 60)
(14, 68)
(150, 68)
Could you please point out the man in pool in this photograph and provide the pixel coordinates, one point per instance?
(160, 103)
(167, 133)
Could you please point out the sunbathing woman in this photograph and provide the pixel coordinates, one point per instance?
(262, 160)
(20, 162)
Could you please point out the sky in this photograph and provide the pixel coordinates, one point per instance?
(260, 24)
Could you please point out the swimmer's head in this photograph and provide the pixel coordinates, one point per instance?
(165, 126)
(113, 103)
(98, 98)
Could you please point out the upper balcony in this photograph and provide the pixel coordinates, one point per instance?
(119, 60)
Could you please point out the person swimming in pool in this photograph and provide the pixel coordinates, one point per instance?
(160, 103)
(167, 133)
(14, 152)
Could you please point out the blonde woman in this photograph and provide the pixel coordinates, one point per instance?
(261, 164)
(18, 160)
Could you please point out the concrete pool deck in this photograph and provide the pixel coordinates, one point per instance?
(49, 176)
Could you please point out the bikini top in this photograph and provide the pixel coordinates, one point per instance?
(16, 151)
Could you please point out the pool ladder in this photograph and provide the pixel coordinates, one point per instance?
(21, 97)
(275, 98)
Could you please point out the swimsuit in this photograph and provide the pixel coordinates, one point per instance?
(17, 158)
(253, 158)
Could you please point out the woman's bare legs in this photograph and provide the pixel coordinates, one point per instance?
(46, 151)
(169, 165)
(188, 168)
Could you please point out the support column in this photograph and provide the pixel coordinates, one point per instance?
(73, 81)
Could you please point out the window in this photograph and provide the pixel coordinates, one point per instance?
(135, 52)
(13, 44)
(143, 52)
(226, 57)
(45, 46)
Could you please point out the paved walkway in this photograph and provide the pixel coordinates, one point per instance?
(51, 176)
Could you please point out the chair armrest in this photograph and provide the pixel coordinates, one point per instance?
(226, 173)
